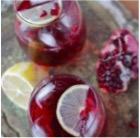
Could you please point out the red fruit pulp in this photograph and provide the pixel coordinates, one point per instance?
(59, 41)
(43, 103)
(118, 62)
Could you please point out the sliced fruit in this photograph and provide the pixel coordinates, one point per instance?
(113, 76)
(75, 110)
(38, 13)
(19, 80)
(118, 62)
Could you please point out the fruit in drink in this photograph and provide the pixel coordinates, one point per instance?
(65, 105)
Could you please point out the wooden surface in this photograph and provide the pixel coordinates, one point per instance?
(122, 109)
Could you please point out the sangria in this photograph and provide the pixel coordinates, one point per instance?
(52, 32)
(65, 105)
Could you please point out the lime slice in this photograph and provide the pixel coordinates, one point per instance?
(19, 80)
(69, 108)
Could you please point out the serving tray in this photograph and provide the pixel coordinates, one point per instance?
(101, 19)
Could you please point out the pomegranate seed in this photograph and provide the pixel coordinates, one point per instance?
(55, 10)
(133, 124)
(43, 14)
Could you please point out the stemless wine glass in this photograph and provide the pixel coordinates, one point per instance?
(82, 108)
(52, 32)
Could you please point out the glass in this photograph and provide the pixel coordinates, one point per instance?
(43, 103)
(50, 32)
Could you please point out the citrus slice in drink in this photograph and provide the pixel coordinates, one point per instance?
(75, 110)
(38, 12)
(19, 80)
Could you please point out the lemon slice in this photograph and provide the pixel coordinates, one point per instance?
(19, 80)
(40, 13)
(69, 109)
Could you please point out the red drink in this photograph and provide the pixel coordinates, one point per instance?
(44, 103)
(55, 42)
